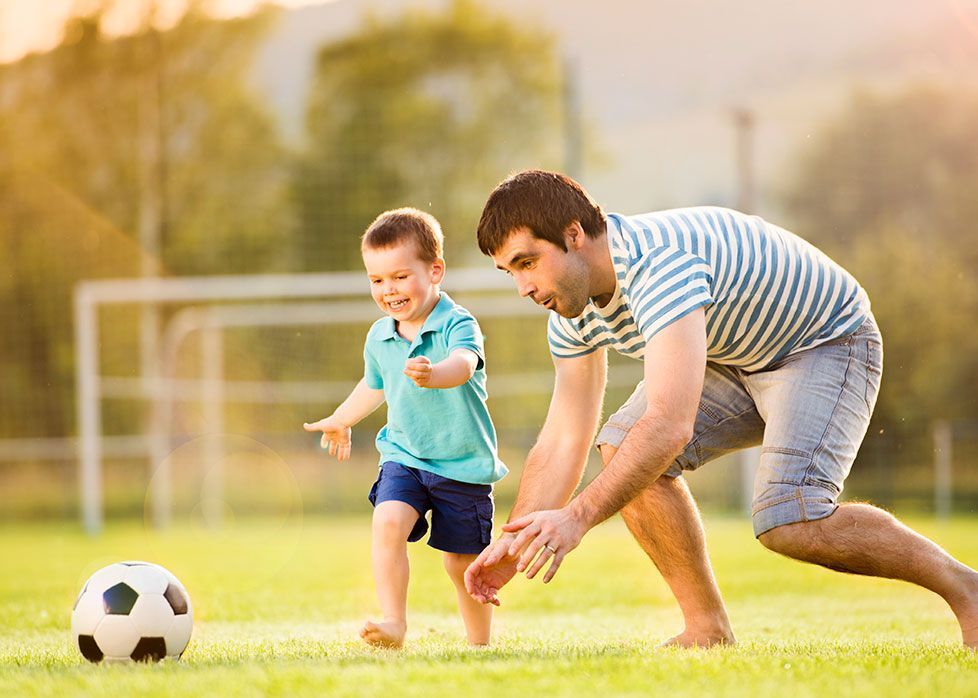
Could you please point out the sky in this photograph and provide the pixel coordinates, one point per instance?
(35, 25)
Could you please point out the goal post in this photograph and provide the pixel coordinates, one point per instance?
(209, 305)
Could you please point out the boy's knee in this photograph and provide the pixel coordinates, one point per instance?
(387, 526)
(456, 563)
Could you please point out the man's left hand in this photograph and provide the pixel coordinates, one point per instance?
(544, 535)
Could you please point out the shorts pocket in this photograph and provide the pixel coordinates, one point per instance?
(874, 371)
(484, 509)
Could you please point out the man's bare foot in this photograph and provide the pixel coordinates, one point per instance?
(388, 634)
(701, 638)
(966, 609)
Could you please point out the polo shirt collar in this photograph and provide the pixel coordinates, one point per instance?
(435, 321)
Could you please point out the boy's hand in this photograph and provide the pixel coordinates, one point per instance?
(418, 369)
(336, 436)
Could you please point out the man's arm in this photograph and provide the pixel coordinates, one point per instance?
(675, 365)
(554, 465)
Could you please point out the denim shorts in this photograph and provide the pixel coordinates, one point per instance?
(461, 512)
(809, 411)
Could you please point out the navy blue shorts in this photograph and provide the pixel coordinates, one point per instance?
(461, 512)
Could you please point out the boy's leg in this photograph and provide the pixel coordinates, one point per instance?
(476, 616)
(392, 523)
(461, 526)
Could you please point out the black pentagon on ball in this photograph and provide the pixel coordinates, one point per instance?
(176, 598)
(119, 599)
(149, 649)
(89, 648)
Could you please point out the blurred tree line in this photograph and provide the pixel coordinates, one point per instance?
(103, 139)
(889, 188)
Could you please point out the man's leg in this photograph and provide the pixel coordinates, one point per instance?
(665, 521)
(817, 406)
(861, 539)
(664, 518)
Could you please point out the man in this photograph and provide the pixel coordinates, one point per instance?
(748, 335)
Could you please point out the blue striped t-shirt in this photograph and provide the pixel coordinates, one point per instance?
(766, 292)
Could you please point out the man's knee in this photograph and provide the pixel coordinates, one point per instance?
(790, 539)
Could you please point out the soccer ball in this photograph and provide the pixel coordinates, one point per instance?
(132, 611)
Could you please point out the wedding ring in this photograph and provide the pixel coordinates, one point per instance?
(547, 546)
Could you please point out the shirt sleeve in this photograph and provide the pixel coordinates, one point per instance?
(667, 284)
(564, 339)
(371, 370)
(466, 334)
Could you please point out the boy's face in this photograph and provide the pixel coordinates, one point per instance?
(402, 285)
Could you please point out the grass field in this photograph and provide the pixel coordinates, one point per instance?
(277, 609)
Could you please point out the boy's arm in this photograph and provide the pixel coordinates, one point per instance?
(449, 373)
(336, 428)
(360, 403)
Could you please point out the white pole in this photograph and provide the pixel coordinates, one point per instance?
(88, 411)
(943, 445)
(212, 361)
(750, 461)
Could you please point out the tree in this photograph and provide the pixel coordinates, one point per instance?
(428, 110)
(907, 160)
(71, 158)
(888, 189)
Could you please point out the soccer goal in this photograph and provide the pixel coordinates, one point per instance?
(257, 355)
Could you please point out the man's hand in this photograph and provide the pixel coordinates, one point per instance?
(336, 436)
(489, 572)
(419, 370)
(542, 535)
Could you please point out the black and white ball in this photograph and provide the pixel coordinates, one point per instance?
(132, 611)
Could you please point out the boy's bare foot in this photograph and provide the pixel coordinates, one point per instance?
(388, 634)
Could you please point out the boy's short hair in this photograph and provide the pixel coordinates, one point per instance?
(545, 202)
(401, 224)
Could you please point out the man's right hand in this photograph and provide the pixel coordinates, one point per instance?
(336, 436)
(489, 572)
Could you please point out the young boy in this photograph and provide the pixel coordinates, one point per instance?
(438, 448)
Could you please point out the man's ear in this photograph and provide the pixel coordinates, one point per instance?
(574, 236)
(437, 270)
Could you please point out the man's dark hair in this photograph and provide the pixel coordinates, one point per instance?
(402, 225)
(545, 202)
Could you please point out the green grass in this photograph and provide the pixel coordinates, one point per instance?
(277, 609)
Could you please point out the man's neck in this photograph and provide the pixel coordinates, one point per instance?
(603, 278)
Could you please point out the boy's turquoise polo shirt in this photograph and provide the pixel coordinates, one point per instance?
(446, 431)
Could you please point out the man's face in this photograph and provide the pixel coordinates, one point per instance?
(550, 277)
